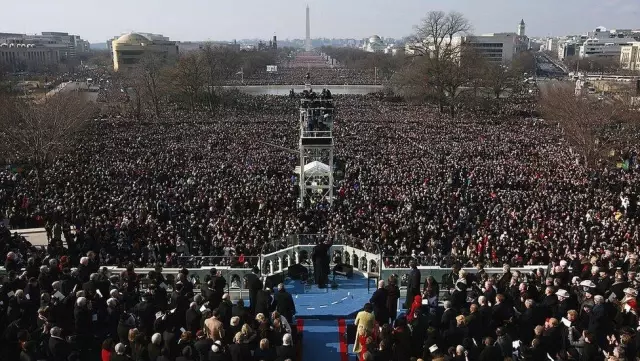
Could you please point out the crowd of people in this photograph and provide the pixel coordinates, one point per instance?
(200, 189)
(581, 313)
(323, 76)
(417, 184)
(55, 313)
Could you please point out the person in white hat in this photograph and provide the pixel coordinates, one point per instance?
(629, 294)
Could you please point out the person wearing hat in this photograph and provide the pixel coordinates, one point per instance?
(565, 303)
(631, 262)
(202, 346)
(603, 283)
(218, 352)
(619, 285)
(630, 295)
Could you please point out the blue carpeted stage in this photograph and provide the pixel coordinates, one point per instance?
(325, 313)
(330, 304)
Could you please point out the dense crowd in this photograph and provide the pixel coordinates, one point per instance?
(480, 187)
(575, 312)
(323, 76)
(53, 312)
(487, 188)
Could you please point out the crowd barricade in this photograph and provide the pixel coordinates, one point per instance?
(277, 256)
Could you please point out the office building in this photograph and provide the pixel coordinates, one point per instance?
(496, 47)
(603, 43)
(129, 49)
(630, 57)
(68, 46)
(25, 57)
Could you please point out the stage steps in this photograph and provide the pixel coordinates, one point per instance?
(324, 340)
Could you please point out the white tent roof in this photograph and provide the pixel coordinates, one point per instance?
(315, 168)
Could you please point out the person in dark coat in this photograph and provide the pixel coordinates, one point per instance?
(187, 354)
(413, 286)
(263, 302)
(193, 318)
(284, 303)
(286, 351)
(590, 351)
(239, 310)
(218, 353)
(490, 352)
(254, 284)
(379, 302)
(239, 350)
(155, 347)
(202, 346)
(145, 311)
(393, 295)
(59, 348)
(226, 309)
(321, 259)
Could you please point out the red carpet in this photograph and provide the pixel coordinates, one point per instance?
(300, 328)
(342, 329)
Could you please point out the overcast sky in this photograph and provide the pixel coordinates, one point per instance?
(97, 20)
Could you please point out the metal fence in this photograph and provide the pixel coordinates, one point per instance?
(225, 261)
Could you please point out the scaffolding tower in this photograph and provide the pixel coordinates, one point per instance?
(316, 149)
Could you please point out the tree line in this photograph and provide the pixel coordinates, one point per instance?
(194, 81)
(442, 66)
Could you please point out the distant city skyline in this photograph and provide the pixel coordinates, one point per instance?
(200, 20)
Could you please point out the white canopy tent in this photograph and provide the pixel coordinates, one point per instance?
(315, 169)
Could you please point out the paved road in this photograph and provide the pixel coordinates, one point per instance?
(74, 86)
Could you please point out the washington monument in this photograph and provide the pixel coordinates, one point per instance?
(307, 42)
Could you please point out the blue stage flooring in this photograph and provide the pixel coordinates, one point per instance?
(327, 303)
(321, 340)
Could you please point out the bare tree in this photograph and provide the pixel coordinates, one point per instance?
(498, 78)
(151, 72)
(435, 33)
(437, 58)
(220, 64)
(131, 83)
(592, 127)
(38, 132)
(188, 77)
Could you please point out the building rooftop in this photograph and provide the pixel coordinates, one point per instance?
(132, 39)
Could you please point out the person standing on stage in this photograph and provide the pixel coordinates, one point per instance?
(413, 286)
(320, 258)
(254, 284)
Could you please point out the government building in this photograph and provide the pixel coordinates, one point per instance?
(129, 49)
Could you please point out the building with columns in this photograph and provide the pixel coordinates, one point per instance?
(630, 57)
